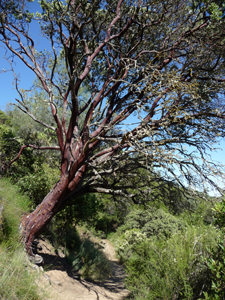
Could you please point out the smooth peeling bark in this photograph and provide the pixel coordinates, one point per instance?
(35, 223)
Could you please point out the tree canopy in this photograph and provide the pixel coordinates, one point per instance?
(153, 74)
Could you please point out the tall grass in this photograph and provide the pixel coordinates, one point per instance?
(14, 206)
(16, 280)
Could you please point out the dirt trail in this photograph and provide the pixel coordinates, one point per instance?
(61, 284)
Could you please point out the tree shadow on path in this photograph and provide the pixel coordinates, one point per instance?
(110, 288)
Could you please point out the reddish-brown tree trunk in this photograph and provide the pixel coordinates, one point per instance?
(35, 223)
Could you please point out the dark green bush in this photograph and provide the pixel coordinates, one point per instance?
(105, 215)
(83, 209)
(200, 213)
(153, 222)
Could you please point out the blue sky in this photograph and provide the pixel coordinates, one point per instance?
(8, 92)
(7, 89)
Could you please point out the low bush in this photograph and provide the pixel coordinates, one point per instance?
(164, 256)
(153, 222)
(216, 259)
(167, 268)
(36, 185)
(62, 226)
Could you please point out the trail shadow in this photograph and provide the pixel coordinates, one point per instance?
(115, 283)
(54, 261)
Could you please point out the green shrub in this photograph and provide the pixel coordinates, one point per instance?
(167, 269)
(84, 209)
(153, 222)
(37, 184)
(200, 213)
(216, 260)
(101, 213)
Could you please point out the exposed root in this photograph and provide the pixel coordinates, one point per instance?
(36, 259)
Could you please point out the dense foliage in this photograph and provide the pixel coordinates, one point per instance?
(166, 260)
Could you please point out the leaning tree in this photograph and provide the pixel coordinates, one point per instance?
(154, 71)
